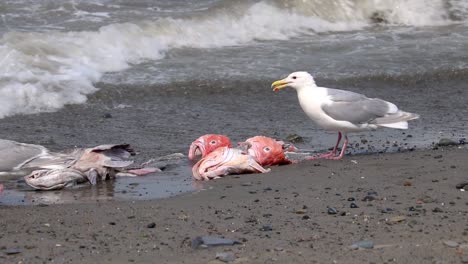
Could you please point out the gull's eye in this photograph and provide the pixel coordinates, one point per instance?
(267, 149)
(294, 77)
(213, 142)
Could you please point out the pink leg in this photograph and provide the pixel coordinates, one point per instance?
(343, 149)
(330, 154)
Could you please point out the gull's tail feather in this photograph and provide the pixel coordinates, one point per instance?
(397, 120)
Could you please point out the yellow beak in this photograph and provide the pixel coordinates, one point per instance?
(279, 84)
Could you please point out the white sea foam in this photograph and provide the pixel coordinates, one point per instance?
(43, 71)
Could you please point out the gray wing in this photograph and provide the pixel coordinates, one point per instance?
(353, 107)
(13, 154)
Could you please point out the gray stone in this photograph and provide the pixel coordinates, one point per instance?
(363, 244)
(225, 256)
(211, 241)
(447, 142)
(451, 244)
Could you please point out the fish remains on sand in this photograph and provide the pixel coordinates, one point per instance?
(206, 144)
(342, 111)
(251, 155)
(224, 161)
(90, 164)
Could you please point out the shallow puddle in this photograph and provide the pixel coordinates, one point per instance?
(158, 185)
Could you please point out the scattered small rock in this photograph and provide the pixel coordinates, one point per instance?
(407, 183)
(351, 199)
(246, 184)
(396, 219)
(211, 241)
(437, 210)
(363, 244)
(451, 244)
(12, 251)
(225, 256)
(353, 205)
(266, 228)
(305, 217)
(462, 185)
(386, 210)
(332, 210)
(151, 225)
(368, 198)
(447, 142)
(294, 138)
(107, 115)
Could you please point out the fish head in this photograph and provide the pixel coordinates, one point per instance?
(224, 161)
(266, 150)
(53, 179)
(206, 144)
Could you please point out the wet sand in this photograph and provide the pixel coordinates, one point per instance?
(407, 205)
(412, 208)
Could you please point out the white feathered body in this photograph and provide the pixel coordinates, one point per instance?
(312, 100)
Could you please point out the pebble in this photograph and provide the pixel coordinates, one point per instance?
(305, 217)
(396, 219)
(12, 251)
(462, 185)
(266, 228)
(353, 205)
(225, 256)
(295, 138)
(332, 210)
(368, 198)
(207, 241)
(386, 210)
(151, 225)
(451, 244)
(351, 199)
(437, 210)
(363, 244)
(447, 142)
(246, 184)
(107, 115)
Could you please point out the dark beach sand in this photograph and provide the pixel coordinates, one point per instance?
(291, 200)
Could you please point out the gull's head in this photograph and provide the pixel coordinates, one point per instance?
(294, 80)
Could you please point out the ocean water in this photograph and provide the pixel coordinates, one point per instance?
(64, 64)
(53, 53)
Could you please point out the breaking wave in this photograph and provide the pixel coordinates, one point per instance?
(45, 70)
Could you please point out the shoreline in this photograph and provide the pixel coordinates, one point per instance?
(408, 207)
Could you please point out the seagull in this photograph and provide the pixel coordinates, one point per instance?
(342, 111)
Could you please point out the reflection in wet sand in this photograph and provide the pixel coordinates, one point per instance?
(174, 181)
